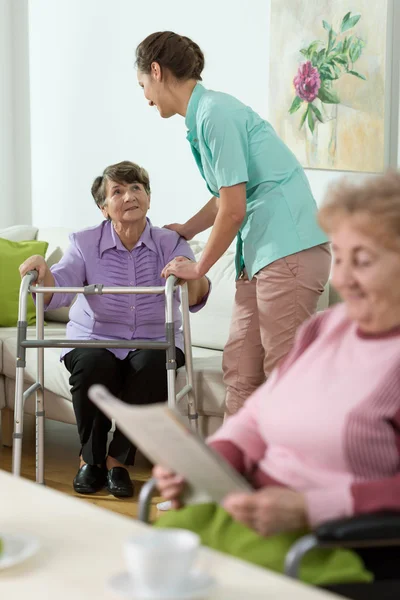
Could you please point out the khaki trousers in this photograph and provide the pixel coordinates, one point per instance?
(267, 313)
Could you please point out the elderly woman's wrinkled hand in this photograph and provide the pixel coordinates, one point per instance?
(183, 268)
(269, 511)
(37, 263)
(169, 484)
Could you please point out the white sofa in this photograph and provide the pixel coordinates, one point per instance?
(209, 329)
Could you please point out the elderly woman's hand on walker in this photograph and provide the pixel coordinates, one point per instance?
(45, 276)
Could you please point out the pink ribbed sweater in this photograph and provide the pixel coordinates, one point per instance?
(327, 422)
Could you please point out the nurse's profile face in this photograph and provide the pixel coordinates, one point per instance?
(156, 91)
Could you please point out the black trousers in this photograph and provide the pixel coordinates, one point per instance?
(141, 378)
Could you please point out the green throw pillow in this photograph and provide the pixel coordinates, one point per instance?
(12, 254)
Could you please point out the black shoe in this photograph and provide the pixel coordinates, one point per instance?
(89, 479)
(119, 483)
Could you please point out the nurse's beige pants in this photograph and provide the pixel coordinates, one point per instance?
(267, 313)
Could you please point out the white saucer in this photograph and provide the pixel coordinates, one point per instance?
(198, 585)
(17, 548)
(167, 505)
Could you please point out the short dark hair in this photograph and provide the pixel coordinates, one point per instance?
(123, 172)
(177, 53)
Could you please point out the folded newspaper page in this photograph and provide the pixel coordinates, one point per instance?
(162, 435)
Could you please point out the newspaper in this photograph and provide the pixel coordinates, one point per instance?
(163, 436)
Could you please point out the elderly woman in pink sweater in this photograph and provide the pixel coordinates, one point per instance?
(321, 439)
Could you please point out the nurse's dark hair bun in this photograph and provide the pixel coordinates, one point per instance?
(179, 54)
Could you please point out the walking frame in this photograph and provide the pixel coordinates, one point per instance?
(40, 343)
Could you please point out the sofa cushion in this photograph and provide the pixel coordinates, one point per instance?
(5, 332)
(58, 315)
(19, 233)
(208, 383)
(2, 392)
(210, 326)
(12, 255)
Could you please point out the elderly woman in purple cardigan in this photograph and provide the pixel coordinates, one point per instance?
(124, 250)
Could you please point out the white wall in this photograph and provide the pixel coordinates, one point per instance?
(21, 191)
(7, 206)
(87, 110)
(15, 154)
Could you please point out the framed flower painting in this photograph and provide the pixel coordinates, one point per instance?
(329, 79)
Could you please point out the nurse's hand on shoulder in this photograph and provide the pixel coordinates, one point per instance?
(180, 228)
(183, 268)
(269, 511)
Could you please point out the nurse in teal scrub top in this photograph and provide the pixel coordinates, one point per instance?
(260, 195)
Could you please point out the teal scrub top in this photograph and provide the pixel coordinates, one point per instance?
(232, 144)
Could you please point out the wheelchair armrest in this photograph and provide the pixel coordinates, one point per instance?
(381, 528)
(145, 496)
(375, 529)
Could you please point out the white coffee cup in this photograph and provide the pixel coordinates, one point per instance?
(160, 560)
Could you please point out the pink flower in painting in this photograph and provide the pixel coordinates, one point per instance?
(307, 82)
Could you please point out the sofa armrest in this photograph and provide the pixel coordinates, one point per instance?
(382, 528)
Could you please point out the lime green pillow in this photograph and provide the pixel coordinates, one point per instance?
(12, 255)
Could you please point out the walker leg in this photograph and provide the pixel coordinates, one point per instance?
(170, 338)
(39, 437)
(40, 413)
(191, 396)
(18, 421)
(192, 412)
(171, 366)
(19, 373)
